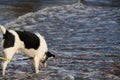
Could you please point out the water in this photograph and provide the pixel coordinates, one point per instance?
(113, 3)
(85, 40)
(11, 9)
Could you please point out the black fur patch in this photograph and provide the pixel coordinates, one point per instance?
(9, 40)
(30, 40)
(48, 54)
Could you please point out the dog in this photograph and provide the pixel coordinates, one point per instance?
(32, 44)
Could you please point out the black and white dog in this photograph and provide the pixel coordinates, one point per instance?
(34, 45)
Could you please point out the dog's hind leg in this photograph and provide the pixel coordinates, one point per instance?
(4, 65)
(8, 55)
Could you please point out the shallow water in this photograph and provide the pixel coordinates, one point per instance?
(85, 40)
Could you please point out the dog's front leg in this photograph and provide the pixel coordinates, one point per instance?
(36, 64)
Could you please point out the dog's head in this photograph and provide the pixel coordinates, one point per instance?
(48, 55)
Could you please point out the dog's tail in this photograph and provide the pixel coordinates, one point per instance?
(2, 29)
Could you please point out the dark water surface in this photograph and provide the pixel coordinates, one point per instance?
(11, 9)
(113, 3)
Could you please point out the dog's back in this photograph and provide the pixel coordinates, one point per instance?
(30, 40)
(24, 40)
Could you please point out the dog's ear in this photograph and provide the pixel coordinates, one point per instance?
(49, 54)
